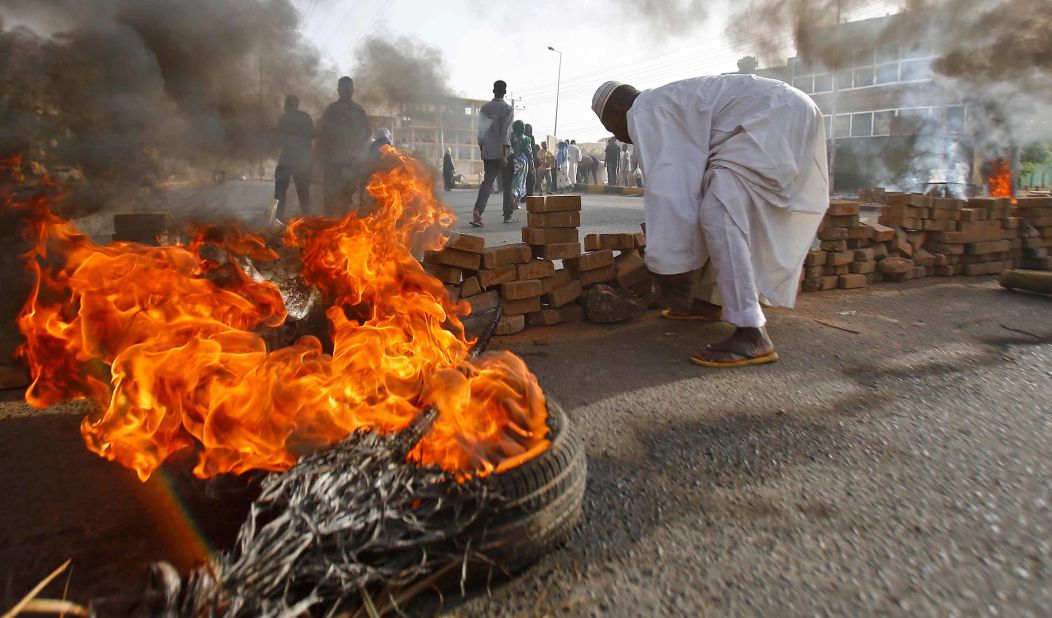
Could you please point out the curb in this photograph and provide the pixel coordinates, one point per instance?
(608, 190)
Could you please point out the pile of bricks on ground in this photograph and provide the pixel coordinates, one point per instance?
(919, 235)
(849, 251)
(595, 284)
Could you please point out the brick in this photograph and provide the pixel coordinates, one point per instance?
(496, 276)
(946, 271)
(895, 266)
(972, 214)
(619, 242)
(833, 245)
(470, 287)
(631, 270)
(484, 301)
(982, 202)
(862, 268)
(553, 203)
(445, 274)
(602, 274)
(456, 258)
(550, 236)
(1011, 223)
(919, 199)
(641, 240)
(946, 204)
(880, 251)
(857, 243)
(947, 248)
(848, 282)
(974, 269)
(840, 258)
(538, 269)
(882, 233)
(843, 208)
(590, 261)
(564, 295)
(843, 221)
(453, 291)
(811, 285)
(946, 215)
(864, 231)
(902, 243)
(522, 306)
(560, 251)
(518, 253)
(830, 282)
(544, 317)
(510, 324)
(832, 233)
(466, 242)
(864, 255)
(984, 248)
(843, 269)
(919, 272)
(558, 279)
(553, 219)
(828, 270)
(518, 290)
(922, 257)
(812, 272)
(815, 258)
(965, 237)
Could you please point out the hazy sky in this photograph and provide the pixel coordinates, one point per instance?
(482, 41)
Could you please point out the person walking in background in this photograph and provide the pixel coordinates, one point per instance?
(547, 162)
(589, 169)
(625, 166)
(495, 119)
(637, 172)
(574, 160)
(531, 173)
(562, 164)
(343, 135)
(613, 156)
(521, 153)
(294, 133)
(448, 171)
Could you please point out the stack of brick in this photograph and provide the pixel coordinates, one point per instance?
(948, 236)
(1035, 232)
(848, 252)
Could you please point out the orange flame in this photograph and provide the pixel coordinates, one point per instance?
(173, 355)
(999, 182)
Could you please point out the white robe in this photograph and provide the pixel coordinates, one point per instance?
(769, 136)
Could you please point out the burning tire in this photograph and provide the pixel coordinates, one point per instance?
(540, 501)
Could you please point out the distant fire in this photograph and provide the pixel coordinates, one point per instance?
(167, 343)
(999, 180)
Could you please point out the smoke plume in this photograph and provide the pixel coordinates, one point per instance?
(398, 69)
(123, 87)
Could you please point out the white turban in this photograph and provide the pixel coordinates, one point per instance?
(602, 96)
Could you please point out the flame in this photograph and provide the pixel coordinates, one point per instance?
(999, 182)
(169, 345)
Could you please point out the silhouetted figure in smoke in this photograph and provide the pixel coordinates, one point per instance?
(495, 119)
(343, 135)
(448, 170)
(294, 133)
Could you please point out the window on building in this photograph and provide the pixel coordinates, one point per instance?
(824, 82)
(862, 125)
(863, 77)
(467, 111)
(828, 121)
(914, 70)
(888, 73)
(842, 126)
(843, 79)
(887, 53)
(916, 49)
(862, 57)
(806, 84)
(882, 122)
(802, 67)
(955, 118)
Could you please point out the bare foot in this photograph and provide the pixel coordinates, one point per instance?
(747, 346)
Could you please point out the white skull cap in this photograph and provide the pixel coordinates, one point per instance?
(603, 95)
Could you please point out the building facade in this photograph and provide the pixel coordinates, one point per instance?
(428, 127)
(891, 122)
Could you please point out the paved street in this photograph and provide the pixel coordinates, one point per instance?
(895, 461)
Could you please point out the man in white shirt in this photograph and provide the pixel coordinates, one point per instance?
(574, 159)
(736, 182)
(495, 120)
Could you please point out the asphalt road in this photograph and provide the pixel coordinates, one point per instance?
(900, 469)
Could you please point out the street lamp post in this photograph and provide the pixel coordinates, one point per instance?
(558, 85)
